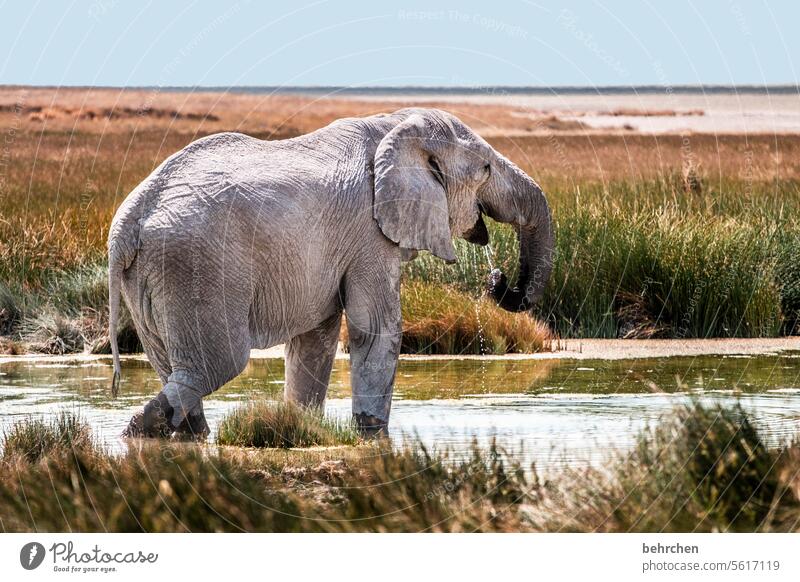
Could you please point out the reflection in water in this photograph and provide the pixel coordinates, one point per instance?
(551, 410)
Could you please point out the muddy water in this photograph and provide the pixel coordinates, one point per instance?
(551, 410)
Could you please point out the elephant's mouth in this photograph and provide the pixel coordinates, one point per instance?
(478, 234)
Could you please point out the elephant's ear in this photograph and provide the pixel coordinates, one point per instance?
(410, 204)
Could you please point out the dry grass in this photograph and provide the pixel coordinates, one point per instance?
(700, 469)
(440, 320)
(61, 178)
(125, 110)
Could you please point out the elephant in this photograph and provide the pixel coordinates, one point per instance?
(235, 243)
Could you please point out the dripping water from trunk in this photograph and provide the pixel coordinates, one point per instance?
(489, 255)
(481, 345)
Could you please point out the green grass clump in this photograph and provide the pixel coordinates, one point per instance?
(702, 469)
(32, 439)
(648, 259)
(664, 274)
(283, 425)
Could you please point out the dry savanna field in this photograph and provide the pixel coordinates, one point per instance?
(682, 235)
(658, 236)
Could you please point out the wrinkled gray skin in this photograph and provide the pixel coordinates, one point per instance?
(235, 243)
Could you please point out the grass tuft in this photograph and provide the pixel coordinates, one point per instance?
(438, 319)
(52, 332)
(283, 425)
(701, 469)
(32, 439)
(9, 310)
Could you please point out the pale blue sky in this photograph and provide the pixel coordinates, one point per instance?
(112, 42)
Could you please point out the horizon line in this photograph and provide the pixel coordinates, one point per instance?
(474, 89)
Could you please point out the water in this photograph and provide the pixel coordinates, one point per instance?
(489, 256)
(552, 411)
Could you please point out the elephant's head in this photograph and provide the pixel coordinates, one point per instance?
(435, 178)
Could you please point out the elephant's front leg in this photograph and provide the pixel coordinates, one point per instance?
(309, 359)
(372, 308)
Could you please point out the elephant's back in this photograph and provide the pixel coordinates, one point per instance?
(251, 229)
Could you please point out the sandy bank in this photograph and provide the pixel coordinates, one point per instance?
(615, 349)
(586, 349)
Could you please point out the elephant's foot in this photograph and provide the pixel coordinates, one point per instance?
(370, 426)
(193, 428)
(155, 421)
(134, 428)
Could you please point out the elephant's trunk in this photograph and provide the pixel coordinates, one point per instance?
(511, 196)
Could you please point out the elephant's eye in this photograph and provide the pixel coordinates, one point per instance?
(487, 169)
(436, 171)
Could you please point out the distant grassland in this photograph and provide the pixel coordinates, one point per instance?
(674, 236)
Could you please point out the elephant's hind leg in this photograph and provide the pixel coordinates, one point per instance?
(177, 411)
(309, 360)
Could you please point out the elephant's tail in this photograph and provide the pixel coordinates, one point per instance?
(115, 267)
(123, 245)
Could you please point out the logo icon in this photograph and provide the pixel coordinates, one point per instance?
(31, 555)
